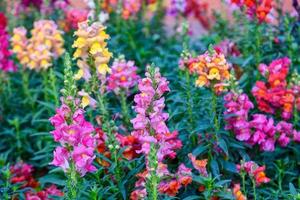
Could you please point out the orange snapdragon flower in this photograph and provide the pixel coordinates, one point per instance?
(237, 193)
(212, 70)
(199, 165)
(260, 176)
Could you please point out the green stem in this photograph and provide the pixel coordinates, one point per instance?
(280, 181)
(243, 183)
(9, 86)
(125, 111)
(189, 97)
(151, 185)
(54, 87)
(25, 86)
(190, 107)
(214, 115)
(254, 189)
(214, 112)
(45, 85)
(6, 175)
(72, 183)
(16, 124)
(257, 45)
(101, 105)
(107, 126)
(97, 8)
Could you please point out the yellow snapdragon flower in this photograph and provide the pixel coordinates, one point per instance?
(91, 45)
(45, 44)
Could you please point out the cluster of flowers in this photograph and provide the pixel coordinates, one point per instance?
(91, 45)
(128, 8)
(73, 15)
(6, 64)
(21, 173)
(253, 170)
(260, 130)
(45, 44)
(274, 94)
(123, 76)
(150, 127)
(76, 137)
(211, 68)
(259, 9)
(197, 9)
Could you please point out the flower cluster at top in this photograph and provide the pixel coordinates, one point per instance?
(150, 126)
(91, 50)
(45, 44)
(150, 122)
(274, 95)
(21, 173)
(6, 64)
(76, 137)
(256, 172)
(197, 9)
(260, 130)
(259, 9)
(123, 76)
(211, 68)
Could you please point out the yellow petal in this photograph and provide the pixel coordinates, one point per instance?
(214, 74)
(80, 42)
(85, 101)
(201, 81)
(77, 53)
(45, 63)
(96, 48)
(78, 75)
(103, 69)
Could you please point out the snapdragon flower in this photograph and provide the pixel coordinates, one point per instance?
(39, 51)
(91, 50)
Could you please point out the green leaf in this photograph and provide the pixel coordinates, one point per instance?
(192, 197)
(199, 150)
(293, 190)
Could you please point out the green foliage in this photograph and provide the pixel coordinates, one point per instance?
(28, 99)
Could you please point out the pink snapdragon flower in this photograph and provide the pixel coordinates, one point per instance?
(44, 194)
(76, 137)
(260, 130)
(6, 64)
(61, 158)
(150, 127)
(236, 115)
(83, 158)
(123, 76)
(149, 123)
(184, 175)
